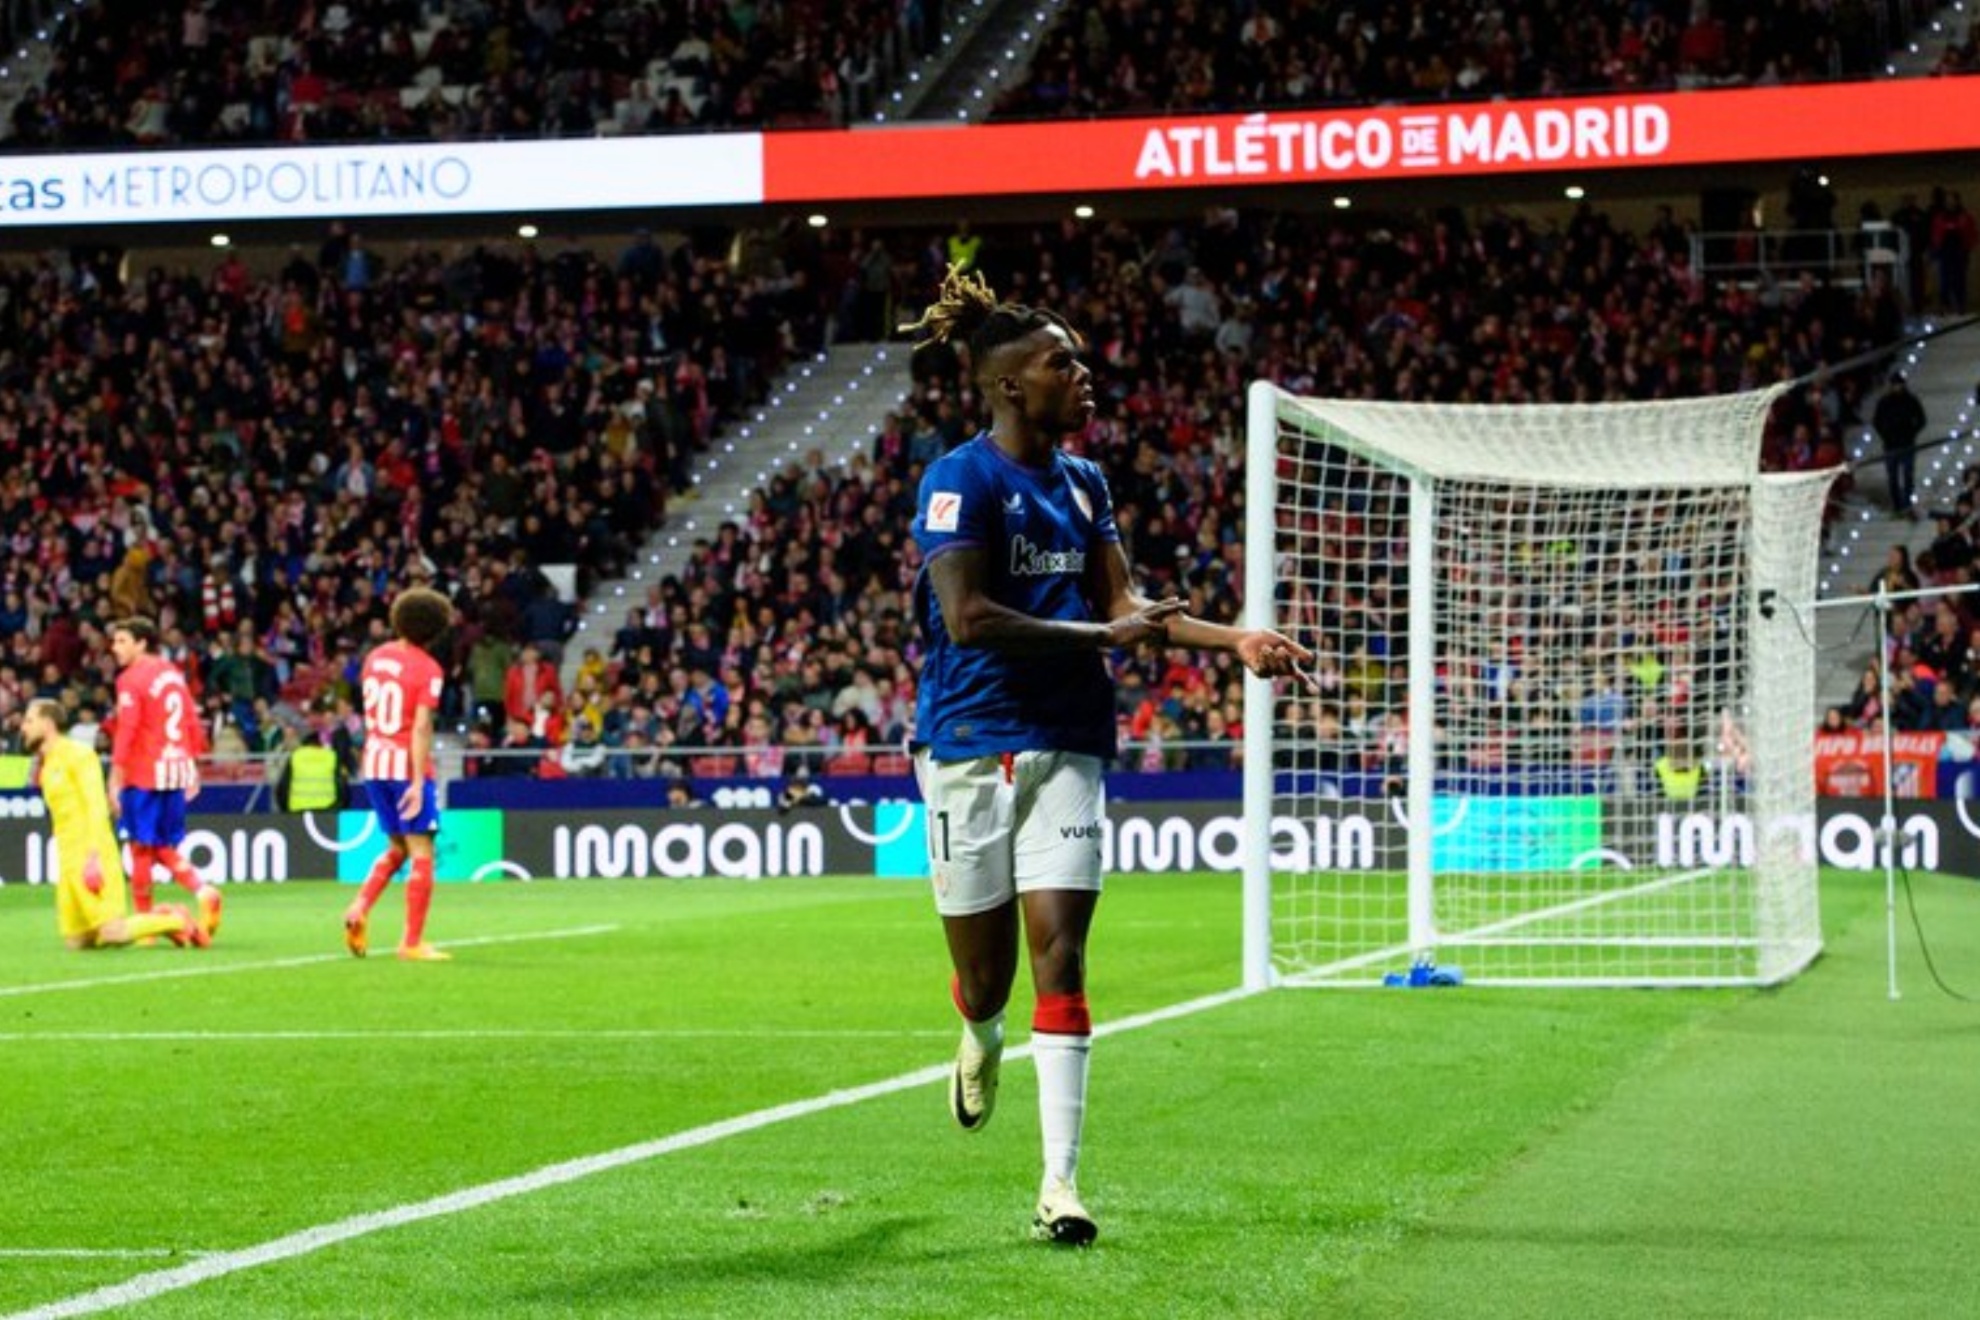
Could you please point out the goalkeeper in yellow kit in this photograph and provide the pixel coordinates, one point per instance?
(90, 904)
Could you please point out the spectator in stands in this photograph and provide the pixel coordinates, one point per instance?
(1679, 775)
(1897, 573)
(1104, 58)
(528, 681)
(1948, 713)
(584, 756)
(520, 752)
(489, 659)
(550, 721)
(1912, 686)
(1865, 707)
(707, 700)
(801, 791)
(1195, 305)
(1954, 237)
(1916, 224)
(964, 245)
(1943, 645)
(86, 728)
(1899, 421)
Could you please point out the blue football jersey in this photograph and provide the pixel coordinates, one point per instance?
(1039, 529)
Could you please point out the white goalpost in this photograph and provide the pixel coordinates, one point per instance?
(1563, 736)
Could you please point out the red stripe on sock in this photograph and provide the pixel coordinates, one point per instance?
(1062, 1015)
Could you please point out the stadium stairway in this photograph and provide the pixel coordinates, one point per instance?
(27, 49)
(1945, 375)
(907, 98)
(992, 54)
(833, 404)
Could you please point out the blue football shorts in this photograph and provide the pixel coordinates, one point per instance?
(385, 795)
(153, 816)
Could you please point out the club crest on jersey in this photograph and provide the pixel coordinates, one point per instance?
(1085, 504)
(944, 511)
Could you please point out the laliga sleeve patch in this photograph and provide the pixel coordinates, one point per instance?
(944, 511)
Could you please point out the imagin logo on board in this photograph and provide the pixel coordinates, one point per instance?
(688, 849)
(230, 856)
(1847, 840)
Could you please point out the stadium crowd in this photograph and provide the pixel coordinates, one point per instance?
(449, 70)
(1932, 646)
(1170, 56)
(260, 461)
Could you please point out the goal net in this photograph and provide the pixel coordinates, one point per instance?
(1563, 735)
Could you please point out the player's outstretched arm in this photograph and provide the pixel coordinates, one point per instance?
(961, 581)
(1265, 653)
(1135, 618)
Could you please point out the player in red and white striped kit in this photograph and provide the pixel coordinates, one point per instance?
(401, 684)
(154, 772)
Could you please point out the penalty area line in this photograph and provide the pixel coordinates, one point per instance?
(306, 1241)
(201, 967)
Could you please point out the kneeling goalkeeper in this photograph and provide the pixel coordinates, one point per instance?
(90, 904)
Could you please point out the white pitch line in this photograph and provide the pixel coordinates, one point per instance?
(144, 1287)
(200, 967)
(655, 1033)
(1318, 975)
(94, 1253)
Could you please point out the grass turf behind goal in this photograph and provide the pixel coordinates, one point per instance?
(1789, 1152)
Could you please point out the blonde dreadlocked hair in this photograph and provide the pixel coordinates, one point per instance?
(966, 310)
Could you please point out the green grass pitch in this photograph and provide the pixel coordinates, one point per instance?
(1805, 1152)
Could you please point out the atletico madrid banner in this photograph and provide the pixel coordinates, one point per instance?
(1343, 146)
(1322, 147)
(1852, 764)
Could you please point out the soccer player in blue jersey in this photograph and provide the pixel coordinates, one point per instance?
(1024, 590)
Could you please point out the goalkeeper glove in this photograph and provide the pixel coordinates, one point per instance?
(93, 874)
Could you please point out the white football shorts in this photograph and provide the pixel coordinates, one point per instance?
(1010, 823)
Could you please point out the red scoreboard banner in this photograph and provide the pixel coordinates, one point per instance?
(1397, 142)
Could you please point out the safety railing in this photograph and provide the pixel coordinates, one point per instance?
(1766, 258)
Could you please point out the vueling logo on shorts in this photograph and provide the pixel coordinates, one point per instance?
(1081, 831)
